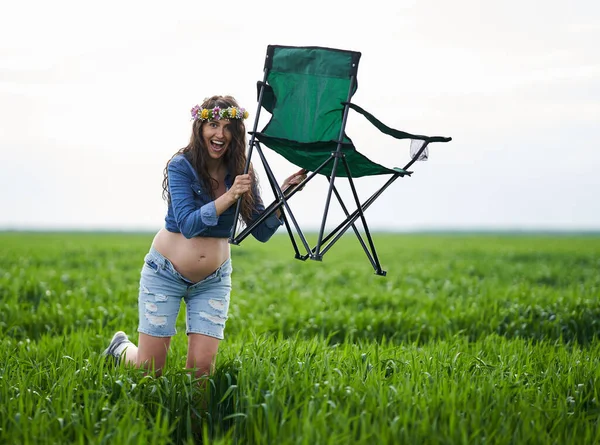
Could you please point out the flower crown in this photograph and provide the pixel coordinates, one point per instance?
(216, 113)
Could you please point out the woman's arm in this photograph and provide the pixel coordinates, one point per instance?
(191, 220)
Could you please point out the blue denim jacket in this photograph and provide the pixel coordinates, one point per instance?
(192, 212)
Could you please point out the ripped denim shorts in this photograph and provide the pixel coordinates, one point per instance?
(161, 291)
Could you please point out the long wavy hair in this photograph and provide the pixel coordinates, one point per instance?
(234, 158)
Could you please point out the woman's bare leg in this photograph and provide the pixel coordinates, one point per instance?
(202, 350)
(151, 352)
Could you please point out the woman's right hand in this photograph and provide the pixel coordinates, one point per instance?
(241, 184)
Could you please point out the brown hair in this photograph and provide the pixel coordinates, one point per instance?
(234, 158)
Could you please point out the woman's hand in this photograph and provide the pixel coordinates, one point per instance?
(242, 184)
(290, 183)
(293, 180)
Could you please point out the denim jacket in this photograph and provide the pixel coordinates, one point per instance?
(192, 212)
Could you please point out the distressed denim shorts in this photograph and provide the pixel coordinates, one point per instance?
(161, 291)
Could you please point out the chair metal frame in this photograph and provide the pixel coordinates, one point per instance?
(324, 241)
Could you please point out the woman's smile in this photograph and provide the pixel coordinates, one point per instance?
(217, 145)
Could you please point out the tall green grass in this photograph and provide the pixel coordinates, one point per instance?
(469, 339)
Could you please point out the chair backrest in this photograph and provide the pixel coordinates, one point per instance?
(310, 85)
(306, 90)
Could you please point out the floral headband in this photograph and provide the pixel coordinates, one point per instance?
(216, 113)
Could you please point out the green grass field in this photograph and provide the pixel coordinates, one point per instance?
(482, 339)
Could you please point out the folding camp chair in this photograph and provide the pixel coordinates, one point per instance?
(308, 90)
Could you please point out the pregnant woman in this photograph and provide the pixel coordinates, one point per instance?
(190, 257)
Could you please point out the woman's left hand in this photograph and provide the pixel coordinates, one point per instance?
(293, 180)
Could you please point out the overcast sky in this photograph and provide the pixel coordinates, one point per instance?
(95, 98)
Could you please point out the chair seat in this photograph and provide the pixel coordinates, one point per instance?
(311, 155)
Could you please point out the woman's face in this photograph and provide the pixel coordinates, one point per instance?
(217, 137)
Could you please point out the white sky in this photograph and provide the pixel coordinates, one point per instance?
(95, 98)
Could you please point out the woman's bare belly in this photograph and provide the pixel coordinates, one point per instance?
(194, 258)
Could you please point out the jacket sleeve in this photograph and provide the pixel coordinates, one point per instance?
(191, 220)
(269, 226)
